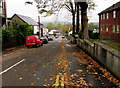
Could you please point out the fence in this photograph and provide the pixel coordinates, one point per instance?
(14, 42)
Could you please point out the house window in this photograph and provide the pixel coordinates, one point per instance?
(107, 15)
(113, 28)
(101, 28)
(118, 28)
(101, 16)
(114, 14)
(107, 29)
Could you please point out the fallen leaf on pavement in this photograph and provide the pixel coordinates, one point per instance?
(20, 78)
(38, 78)
(51, 79)
(79, 70)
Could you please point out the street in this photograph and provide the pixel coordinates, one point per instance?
(56, 64)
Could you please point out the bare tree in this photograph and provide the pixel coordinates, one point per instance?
(77, 18)
(49, 7)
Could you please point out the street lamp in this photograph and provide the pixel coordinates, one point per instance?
(28, 2)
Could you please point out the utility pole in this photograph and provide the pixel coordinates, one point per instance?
(39, 26)
(39, 20)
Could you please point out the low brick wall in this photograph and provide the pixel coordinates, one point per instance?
(109, 57)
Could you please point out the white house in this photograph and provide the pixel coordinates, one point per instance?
(26, 19)
(45, 32)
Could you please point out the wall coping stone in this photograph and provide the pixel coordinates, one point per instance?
(109, 49)
(81, 40)
(92, 44)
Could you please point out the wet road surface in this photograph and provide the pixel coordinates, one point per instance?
(56, 64)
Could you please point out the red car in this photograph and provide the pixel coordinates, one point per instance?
(33, 40)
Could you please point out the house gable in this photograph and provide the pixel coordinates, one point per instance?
(17, 18)
(25, 19)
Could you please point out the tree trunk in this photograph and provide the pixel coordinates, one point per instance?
(73, 22)
(84, 19)
(73, 17)
(77, 20)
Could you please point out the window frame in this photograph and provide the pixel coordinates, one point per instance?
(107, 29)
(113, 28)
(101, 16)
(114, 14)
(107, 15)
(104, 16)
(117, 28)
(101, 28)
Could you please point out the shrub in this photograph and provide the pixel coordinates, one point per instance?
(7, 35)
(24, 30)
(18, 30)
(80, 33)
(93, 35)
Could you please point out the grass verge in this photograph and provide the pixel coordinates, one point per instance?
(114, 46)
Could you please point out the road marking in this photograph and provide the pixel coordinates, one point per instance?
(57, 81)
(62, 81)
(12, 67)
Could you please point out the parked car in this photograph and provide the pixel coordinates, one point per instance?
(33, 40)
(44, 40)
(56, 36)
(50, 39)
(63, 36)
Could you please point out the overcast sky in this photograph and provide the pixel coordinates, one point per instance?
(19, 7)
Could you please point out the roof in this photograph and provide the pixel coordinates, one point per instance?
(26, 19)
(111, 8)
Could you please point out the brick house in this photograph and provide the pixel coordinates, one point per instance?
(109, 23)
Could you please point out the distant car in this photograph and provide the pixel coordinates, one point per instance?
(33, 40)
(50, 39)
(56, 36)
(44, 40)
(63, 36)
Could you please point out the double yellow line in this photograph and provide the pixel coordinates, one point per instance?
(60, 80)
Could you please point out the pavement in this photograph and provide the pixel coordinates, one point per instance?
(58, 64)
(13, 49)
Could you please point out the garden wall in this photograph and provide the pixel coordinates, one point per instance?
(14, 42)
(109, 57)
